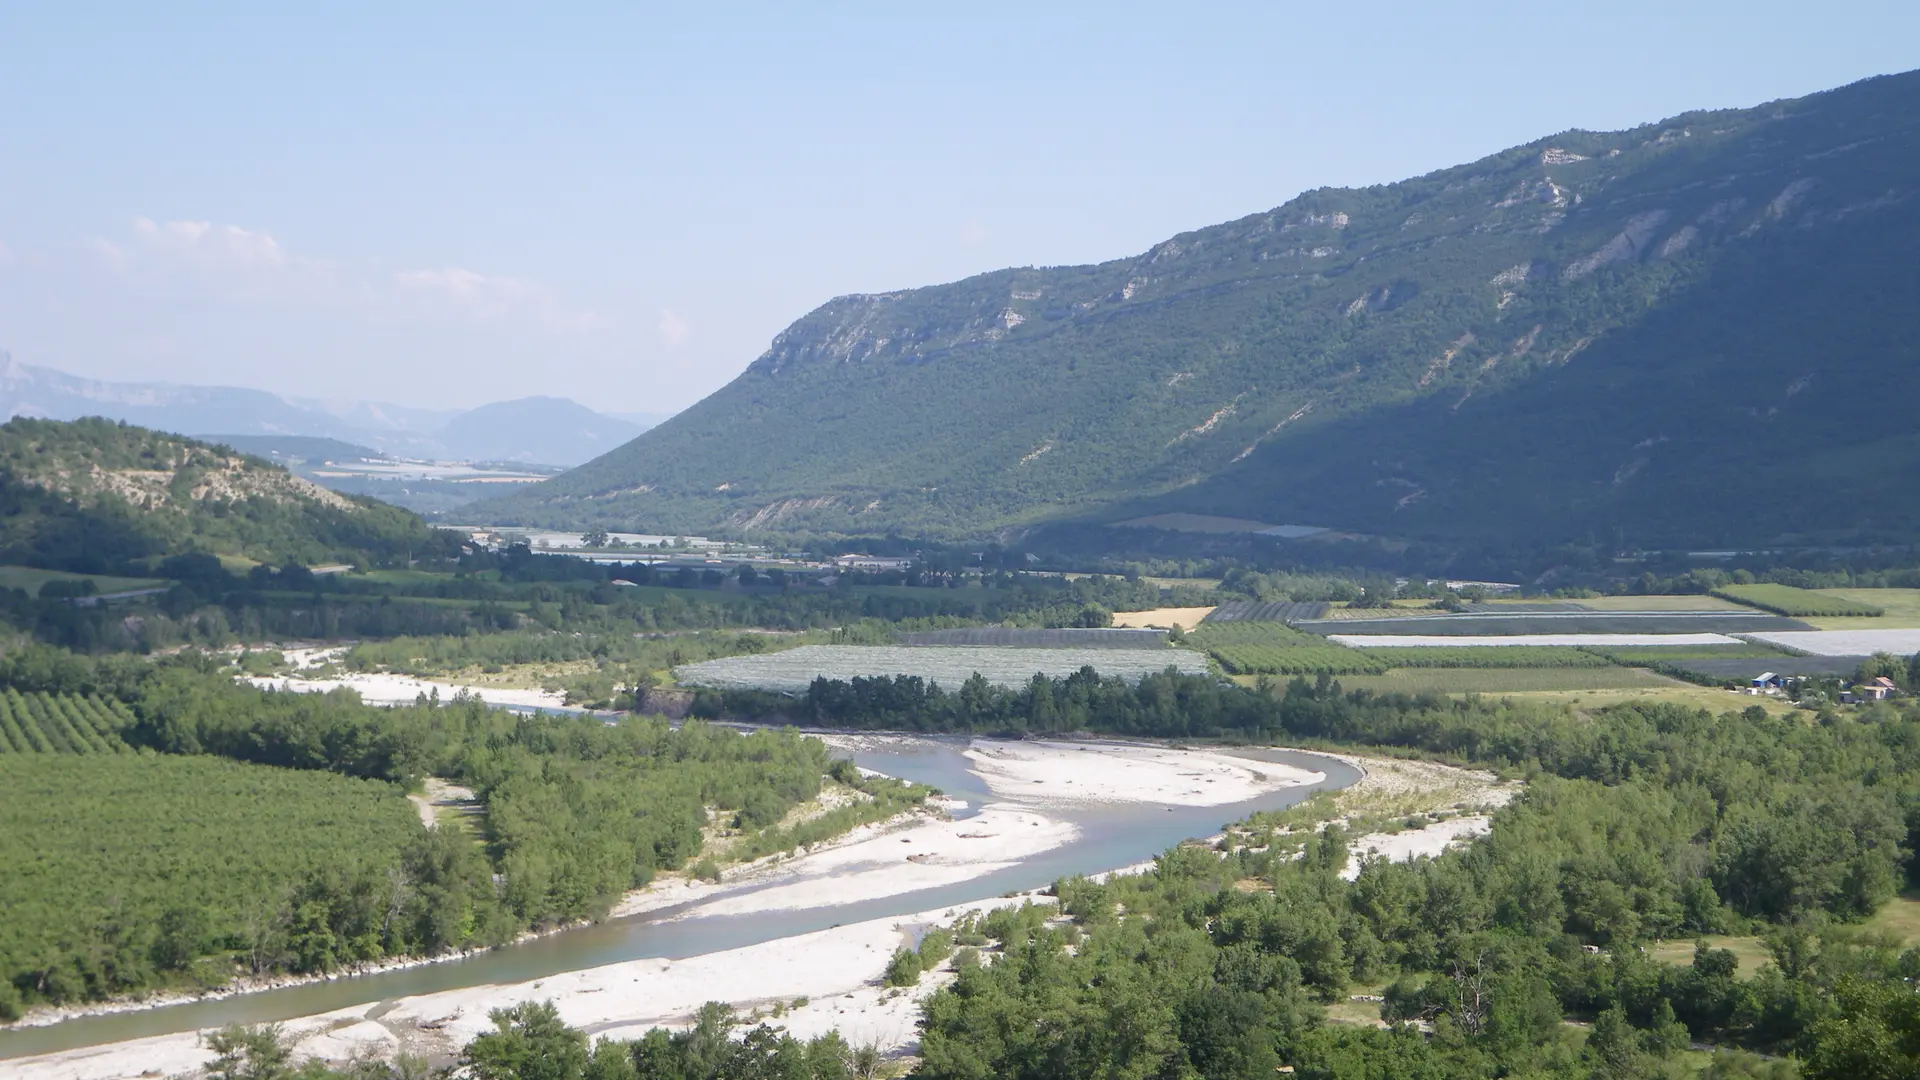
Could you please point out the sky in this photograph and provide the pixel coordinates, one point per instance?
(444, 205)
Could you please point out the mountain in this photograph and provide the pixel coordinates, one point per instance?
(99, 496)
(1699, 330)
(547, 431)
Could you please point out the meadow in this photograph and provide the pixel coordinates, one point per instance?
(1796, 603)
(29, 580)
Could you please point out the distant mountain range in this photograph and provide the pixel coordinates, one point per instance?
(1700, 331)
(536, 430)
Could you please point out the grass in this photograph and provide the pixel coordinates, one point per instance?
(1362, 1013)
(1795, 603)
(30, 579)
(1505, 680)
(1748, 950)
(1900, 917)
(1658, 603)
(404, 577)
(1673, 691)
(1902, 607)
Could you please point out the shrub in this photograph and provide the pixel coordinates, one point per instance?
(904, 969)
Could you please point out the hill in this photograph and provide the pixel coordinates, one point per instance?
(298, 449)
(545, 430)
(100, 497)
(1692, 331)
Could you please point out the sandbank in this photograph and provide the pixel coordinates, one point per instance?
(836, 970)
(1051, 773)
(1410, 844)
(383, 689)
(903, 855)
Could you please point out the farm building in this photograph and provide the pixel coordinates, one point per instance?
(1878, 690)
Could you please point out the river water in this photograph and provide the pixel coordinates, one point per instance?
(1111, 836)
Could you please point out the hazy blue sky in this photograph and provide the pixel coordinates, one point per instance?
(461, 203)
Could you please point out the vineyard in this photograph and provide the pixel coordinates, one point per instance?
(1271, 648)
(61, 724)
(1797, 603)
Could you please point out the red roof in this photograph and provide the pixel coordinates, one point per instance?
(1883, 681)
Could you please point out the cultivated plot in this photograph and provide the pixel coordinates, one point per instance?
(794, 670)
(1393, 641)
(1846, 642)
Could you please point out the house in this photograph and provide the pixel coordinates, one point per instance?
(1878, 689)
(1764, 682)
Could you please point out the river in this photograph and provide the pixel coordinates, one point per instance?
(1110, 836)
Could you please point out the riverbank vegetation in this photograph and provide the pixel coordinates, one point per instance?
(577, 812)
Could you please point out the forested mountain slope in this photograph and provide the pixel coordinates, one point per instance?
(1697, 330)
(98, 496)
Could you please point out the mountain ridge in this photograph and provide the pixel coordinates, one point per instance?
(1194, 376)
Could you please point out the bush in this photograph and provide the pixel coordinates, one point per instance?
(935, 947)
(904, 969)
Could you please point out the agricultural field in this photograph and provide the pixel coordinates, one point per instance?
(1742, 669)
(29, 580)
(1517, 656)
(1901, 607)
(61, 724)
(1271, 648)
(794, 670)
(1500, 624)
(1018, 638)
(1505, 680)
(1847, 642)
(1797, 603)
(1185, 618)
(1657, 603)
(1509, 641)
(1277, 611)
(104, 853)
(1655, 655)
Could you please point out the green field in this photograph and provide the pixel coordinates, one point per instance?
(1657, 603)
(61, 724)
(108, 856)
(1471, 656)
(1792, 602)
(1901, 607)
(1271, 648)
(1504, 680)
(30, 579)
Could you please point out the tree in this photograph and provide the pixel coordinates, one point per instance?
(597, 538)
(249, 1053)
(530, 1043)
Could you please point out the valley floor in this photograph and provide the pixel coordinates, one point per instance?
(830, 979)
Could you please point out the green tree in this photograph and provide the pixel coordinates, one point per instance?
(529, 1043)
